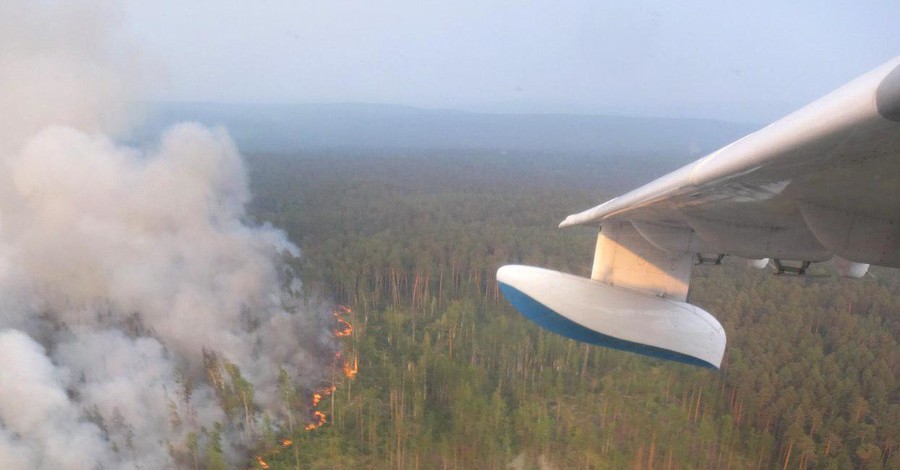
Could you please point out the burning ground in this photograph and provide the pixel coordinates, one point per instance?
(144, 322)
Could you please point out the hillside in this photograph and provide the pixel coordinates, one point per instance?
(288, 128)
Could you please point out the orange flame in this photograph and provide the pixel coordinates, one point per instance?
(350, 371)
(319, 416)
(320, 420)
(345, 328)
(341, 363)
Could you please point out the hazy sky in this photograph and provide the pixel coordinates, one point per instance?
(745, 61)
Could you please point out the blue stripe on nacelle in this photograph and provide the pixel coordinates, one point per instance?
(550, 320)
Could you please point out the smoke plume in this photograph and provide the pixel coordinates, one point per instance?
(134, 295)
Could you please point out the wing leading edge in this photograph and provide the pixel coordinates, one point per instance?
(819, 183)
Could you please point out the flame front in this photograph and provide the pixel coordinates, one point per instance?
(344, 327)
(341, 363)
(350, 371)
(343, 330)
(318, 416)
(319, 421)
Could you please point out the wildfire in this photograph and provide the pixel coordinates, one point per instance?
(320, 420)
(344, 327)
(351, 370)
(285, 443)
(344, 365)
(318, 415)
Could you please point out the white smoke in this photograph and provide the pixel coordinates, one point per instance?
(42, 427)
(122, 269)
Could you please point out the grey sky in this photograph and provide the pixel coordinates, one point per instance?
(747, 61)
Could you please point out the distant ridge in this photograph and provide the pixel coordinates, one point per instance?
(281, 128)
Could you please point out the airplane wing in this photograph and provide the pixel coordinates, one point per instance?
(822, 182)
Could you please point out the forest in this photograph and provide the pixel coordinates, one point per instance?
(438, 371)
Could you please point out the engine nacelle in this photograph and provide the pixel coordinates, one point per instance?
(850, 269)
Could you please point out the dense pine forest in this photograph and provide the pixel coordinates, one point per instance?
(443, 373)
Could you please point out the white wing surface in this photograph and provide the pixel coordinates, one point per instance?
(822, 181)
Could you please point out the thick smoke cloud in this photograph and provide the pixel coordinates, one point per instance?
(126, 275)
(41, 428)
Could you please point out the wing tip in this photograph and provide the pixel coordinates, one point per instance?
(568, 222)
(887, 95)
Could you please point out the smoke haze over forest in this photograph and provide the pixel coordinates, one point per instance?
(126, 276)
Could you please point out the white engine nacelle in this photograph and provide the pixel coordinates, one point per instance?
(850, 269)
